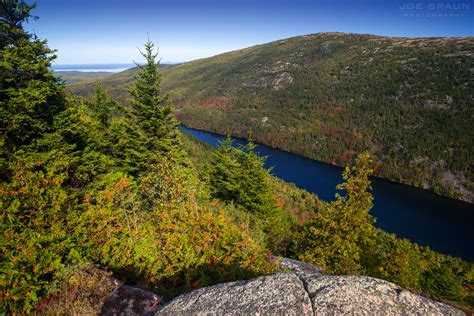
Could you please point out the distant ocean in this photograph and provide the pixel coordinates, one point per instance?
(93, 67)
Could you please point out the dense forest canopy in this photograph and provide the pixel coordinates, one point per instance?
(89, 184)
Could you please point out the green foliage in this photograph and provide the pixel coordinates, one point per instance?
(397, 260)
(335, 239)
(442, 283)
(29, 93)
(33, 208)
(32, 200)
(14, 13)
(102, 105)
(166, 184)
(238, 175)
(196, 246)
(153, 108)
(421, 269)
(224, 177)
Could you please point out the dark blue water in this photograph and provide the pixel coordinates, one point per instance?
(443, 224)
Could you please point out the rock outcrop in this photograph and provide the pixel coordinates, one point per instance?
(277, 294)
(303, 290)
(129, 300)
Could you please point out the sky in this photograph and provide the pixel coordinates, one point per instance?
(110, 31)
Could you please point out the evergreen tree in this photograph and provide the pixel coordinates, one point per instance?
(238, 175)
(254, 183)
(13, 14)
(224, 178)
(32, 197)
(153, 108)
(129, 148)
(102, 106)
(337, 238)
(30, 95)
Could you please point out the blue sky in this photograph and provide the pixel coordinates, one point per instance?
(109, 31)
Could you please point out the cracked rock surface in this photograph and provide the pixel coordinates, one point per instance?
(281, 293)
(302, 289)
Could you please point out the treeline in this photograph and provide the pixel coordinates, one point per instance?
(95, 183)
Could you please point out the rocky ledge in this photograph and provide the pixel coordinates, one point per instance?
(303, 290)
(298, 289)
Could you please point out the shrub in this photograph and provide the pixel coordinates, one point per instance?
(34, 238)
(166, 248)
(78, 290)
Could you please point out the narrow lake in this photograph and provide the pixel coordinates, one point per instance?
(443, 224)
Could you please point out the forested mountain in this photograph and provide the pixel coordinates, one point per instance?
(329, 96)
(89, 184)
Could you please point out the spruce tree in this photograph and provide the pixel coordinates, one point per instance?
(153, 108)
(30, 95)
(102, 106)
(255, 187)
(225, 173)
(338, 238)
(238, 176)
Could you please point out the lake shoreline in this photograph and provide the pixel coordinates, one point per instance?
(422, 216)
(395, 181)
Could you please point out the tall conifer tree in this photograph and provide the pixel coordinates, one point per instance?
(153, 108)
(30, 95)
(102, 105)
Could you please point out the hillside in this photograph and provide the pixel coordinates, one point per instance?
(329, 96)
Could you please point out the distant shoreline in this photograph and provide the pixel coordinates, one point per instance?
(112, 68)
